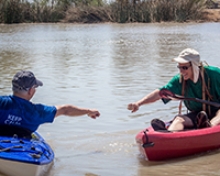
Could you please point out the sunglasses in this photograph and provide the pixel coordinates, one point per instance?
(183, 67)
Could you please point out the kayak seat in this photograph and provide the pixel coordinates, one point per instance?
(158, 125)
(9, 130)
(202, 120)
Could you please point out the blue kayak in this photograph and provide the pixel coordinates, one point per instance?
(25, 157)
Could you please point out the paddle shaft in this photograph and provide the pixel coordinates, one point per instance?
(171, 95)
(197, 100)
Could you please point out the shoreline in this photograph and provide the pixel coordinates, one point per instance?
(207, 15)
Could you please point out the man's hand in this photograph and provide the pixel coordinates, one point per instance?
(133, 107)
(93, 113)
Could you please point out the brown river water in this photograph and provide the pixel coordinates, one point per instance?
(106, 66)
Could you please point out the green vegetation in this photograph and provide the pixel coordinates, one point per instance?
(91, 11)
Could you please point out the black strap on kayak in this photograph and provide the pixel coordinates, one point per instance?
(147, 143)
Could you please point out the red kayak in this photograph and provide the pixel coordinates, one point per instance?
(156, 145)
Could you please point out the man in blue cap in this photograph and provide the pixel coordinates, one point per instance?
(18, 112)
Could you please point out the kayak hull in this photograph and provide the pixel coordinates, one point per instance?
(156, 146)
(14, 168)
(25, 157)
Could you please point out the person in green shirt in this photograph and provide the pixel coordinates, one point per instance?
(195, 80)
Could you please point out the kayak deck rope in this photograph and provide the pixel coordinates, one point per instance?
(34, 149)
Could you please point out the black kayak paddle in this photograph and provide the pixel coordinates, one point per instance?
(164, 93)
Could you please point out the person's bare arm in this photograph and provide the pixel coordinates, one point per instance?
(150, 98)
(70, 110)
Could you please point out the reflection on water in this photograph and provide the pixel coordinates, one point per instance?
(105, 66)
